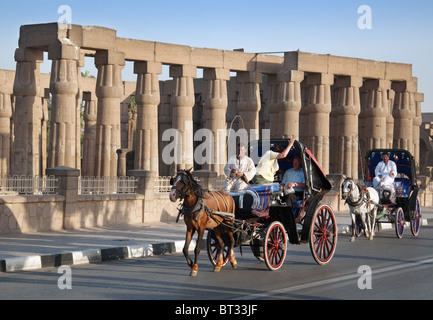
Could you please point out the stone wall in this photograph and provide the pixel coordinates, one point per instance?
(70, 210)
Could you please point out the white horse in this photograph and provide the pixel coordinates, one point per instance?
(363, 202)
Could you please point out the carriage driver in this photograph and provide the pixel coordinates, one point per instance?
(239, 170)
(385, 172)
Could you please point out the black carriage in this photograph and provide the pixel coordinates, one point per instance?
(399, 203)
(266, 224)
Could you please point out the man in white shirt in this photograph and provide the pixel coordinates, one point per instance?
(294, 178)
(239, 170)
(385, 172)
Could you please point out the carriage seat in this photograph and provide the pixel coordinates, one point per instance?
(253, 201)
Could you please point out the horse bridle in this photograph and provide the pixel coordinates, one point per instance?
(186, 190)
(349, 198)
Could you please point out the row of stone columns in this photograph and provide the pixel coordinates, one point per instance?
(371, 112)
(302, 106)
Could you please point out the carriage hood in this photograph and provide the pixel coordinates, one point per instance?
(315, 178)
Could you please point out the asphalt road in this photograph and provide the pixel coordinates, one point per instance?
(385, 268)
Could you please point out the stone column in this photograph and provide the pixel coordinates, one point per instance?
(79, 98)
(374, 110)
(319, 109)
(303, 114)
(89, 140)
(164, 123)
(403, 113)
(347, 110)
(417, 122)
(182, 102)
(290, 103)
(390, 120)
(109, 89)
(274, 106)
(124, 121)
(215, 107)
(44, 125)
(147, 97)
(27, 117)
(5, 123)
(249, 101)
(64, 90)
(121, 162)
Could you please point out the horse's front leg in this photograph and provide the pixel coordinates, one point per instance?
(364, 218)
(194, 267)
(189, 235)
(373, 222)
(353, 216)
(368, 225)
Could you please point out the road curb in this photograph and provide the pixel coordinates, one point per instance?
(34, 262)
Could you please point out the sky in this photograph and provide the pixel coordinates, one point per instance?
(401, 30)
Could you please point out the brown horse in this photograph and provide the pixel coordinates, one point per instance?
(198, 210)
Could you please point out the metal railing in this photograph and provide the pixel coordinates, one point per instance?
(28, 185)
(106, 185)
(162, 184)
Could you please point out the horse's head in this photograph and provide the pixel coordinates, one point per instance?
(182, 185)
(347, 187)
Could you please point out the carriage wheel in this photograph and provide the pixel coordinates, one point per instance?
(323, 235)
(275, 246)
(399, 222)
(415, 221)
(212, 248)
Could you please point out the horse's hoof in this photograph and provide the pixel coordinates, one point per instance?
(217, 269)
(234, 265)
(352, 239)
(194, 270)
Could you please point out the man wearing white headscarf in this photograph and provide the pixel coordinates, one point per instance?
(239, 170)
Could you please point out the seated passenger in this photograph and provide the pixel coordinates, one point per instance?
(294, 178)
(385, 173)
(268, 164)
(239, 170)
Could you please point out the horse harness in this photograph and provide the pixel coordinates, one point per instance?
(200, 205)
(364, 196)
